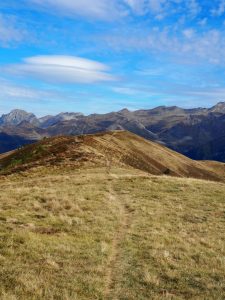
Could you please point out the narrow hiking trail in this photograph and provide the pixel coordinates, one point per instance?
(115, 256)
(114, 259)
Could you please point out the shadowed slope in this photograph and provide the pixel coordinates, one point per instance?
(116, 148)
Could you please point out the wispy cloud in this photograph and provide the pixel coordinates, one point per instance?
(98, 9)
(166, 51)
(110, 9)
(187, 45)
(62, 69)
(15, 95)
(219, 10)
(163, 8)
(142, 7)
(10, 90)
(11, 30)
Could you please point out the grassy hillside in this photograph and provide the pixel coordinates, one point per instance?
(115, 148)
(114, 233)
(87, 218)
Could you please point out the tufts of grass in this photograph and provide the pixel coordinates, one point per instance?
(86, 234)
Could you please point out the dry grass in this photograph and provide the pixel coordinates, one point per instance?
(86, 234)
(175, 246)
(117, 148)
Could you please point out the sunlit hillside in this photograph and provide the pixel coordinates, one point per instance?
(103, 231)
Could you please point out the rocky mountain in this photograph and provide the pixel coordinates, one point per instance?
(97, 123)
(15, 117)
(188, 131)
(47, 121)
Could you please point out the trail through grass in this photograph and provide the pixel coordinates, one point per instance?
(86, 234)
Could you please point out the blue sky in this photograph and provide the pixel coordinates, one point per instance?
(96, 56)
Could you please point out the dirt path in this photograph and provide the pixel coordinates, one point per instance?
(115, 255)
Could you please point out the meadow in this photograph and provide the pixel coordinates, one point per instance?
(118, 234)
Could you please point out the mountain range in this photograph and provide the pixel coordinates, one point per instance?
(198, 133)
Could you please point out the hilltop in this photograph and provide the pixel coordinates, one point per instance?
(109, 149)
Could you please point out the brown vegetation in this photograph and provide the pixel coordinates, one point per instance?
(116, 148)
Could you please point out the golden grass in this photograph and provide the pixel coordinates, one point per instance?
(115, 148)
(86, 234)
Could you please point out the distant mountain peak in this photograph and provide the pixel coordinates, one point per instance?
(70, 114)
(16, 116)
(219, 107)
(124, 111)
(61, 117)
(18, 112)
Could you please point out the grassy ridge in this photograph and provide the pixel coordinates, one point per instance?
(87, 234)
(114, 148)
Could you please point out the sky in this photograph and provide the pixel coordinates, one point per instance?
(97, 56)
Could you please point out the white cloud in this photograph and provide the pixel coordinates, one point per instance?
(188, 33)
(184, 45)
(111, 9)
(203, 22)
(11, 90)
(125, 91)
(172, 93)
(40, 100)
(62, 69)
(193, 7)
(142, 7)
(220, 10)
(156, 5)
(136, 91)
(10, 31)
(100, 9)
(137, 6)
(216, 93)
(162, 8)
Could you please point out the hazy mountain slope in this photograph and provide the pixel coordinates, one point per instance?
(10, 142)
(213, 150)
(117, 148)
(187, 136)
(12, 137)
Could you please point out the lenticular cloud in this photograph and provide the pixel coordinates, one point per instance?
(63, 69)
